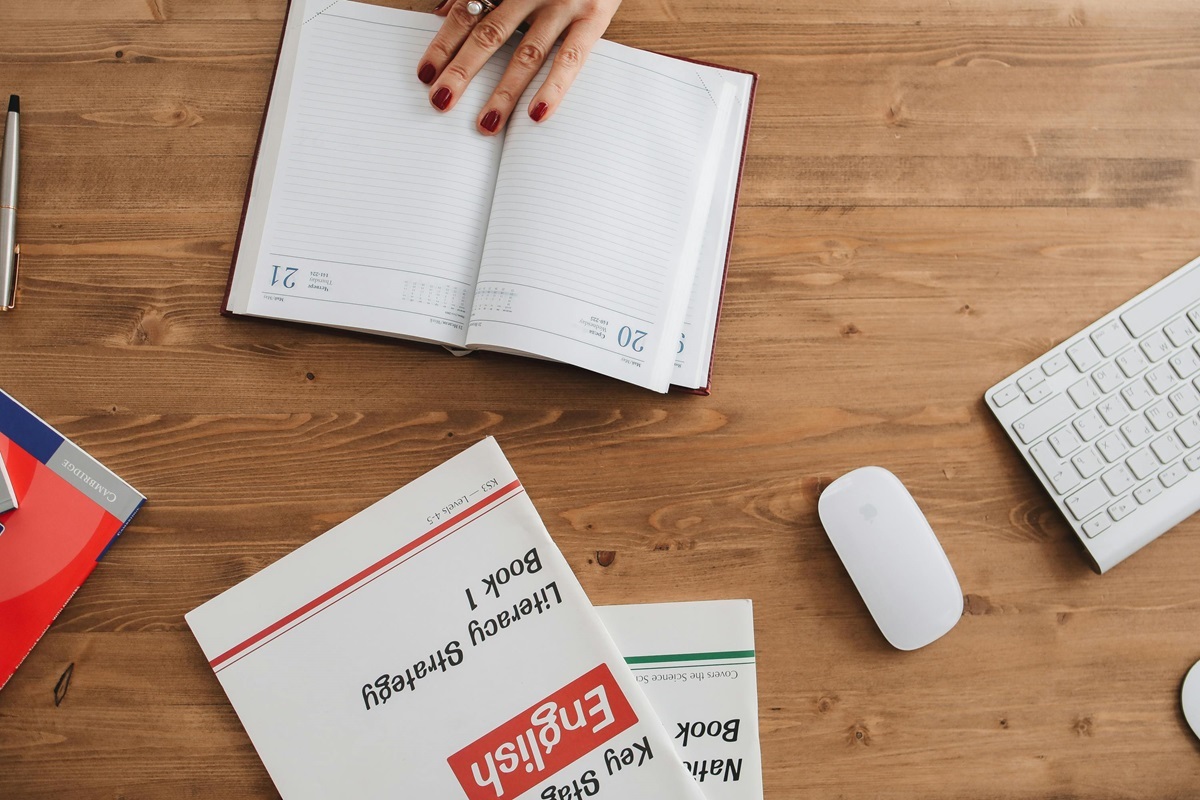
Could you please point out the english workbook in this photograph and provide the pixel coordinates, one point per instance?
(437, 645)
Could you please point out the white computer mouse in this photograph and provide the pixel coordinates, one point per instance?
(1191, 698)
(892, 555)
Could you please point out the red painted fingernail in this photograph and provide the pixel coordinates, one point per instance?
(491, 121)
(427, 74)
(441, 5)
(441, 98)
(539, 111)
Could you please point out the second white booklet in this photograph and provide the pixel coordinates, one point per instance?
(696, 663)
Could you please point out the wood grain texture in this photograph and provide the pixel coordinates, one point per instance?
(936, 193)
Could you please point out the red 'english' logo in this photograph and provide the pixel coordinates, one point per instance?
(544, 738)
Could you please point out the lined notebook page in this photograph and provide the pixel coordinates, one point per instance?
(379, 203)
(594, 232)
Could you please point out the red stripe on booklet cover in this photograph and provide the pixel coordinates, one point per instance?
(544, 738)
(379, 566)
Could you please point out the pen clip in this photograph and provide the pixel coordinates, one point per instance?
(16, 274)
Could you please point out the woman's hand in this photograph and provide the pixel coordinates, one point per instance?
(466, 42)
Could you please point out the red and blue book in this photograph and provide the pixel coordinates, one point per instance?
(70, 509)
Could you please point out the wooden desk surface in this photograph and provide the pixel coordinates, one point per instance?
(937, 192)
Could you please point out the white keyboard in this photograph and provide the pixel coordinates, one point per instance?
(1110, 419)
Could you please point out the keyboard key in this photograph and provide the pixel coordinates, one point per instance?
(1161, 415)
(1055, 364)
(1147, 492)
(1083, 355)
(1087, 500)
(1142, 464)
(1137, 430)
(1097, 525)
(1065, 441)
(1089, 425)
(1132, 362)
(1167, 448)
(1113, 409)
(1112, 447)
(1173, 474)
(1108, 378)
(1118, 479)
(1122, 508)
(1045, 457)
(1045, 417)
(1006, 395)
(1192, 461)
(1061, 474)
(1164, 302)
(1156, 347)
(1179, 331)
(1030, 380)
(1186, 363)
(1189, 432)
(1039, 393)
(1064, 479)
(1137, 394)
(1084, 393)
(1185, 399)
(1110, 337)
(1162, 379)
(1194, 316)
(1088, 462)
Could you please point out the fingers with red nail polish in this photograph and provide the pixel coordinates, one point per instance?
(528, 57)
(574, 50)
(467, 41)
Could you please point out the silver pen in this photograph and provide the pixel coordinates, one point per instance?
(10, 251)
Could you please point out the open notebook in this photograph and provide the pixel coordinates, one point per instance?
(598, 238)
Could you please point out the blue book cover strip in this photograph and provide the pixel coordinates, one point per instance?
(26, 430)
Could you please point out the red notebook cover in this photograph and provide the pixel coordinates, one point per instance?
(70, 509)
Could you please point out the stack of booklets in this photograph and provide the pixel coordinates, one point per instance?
(599, 237)
(437, 645)
(64, 512)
